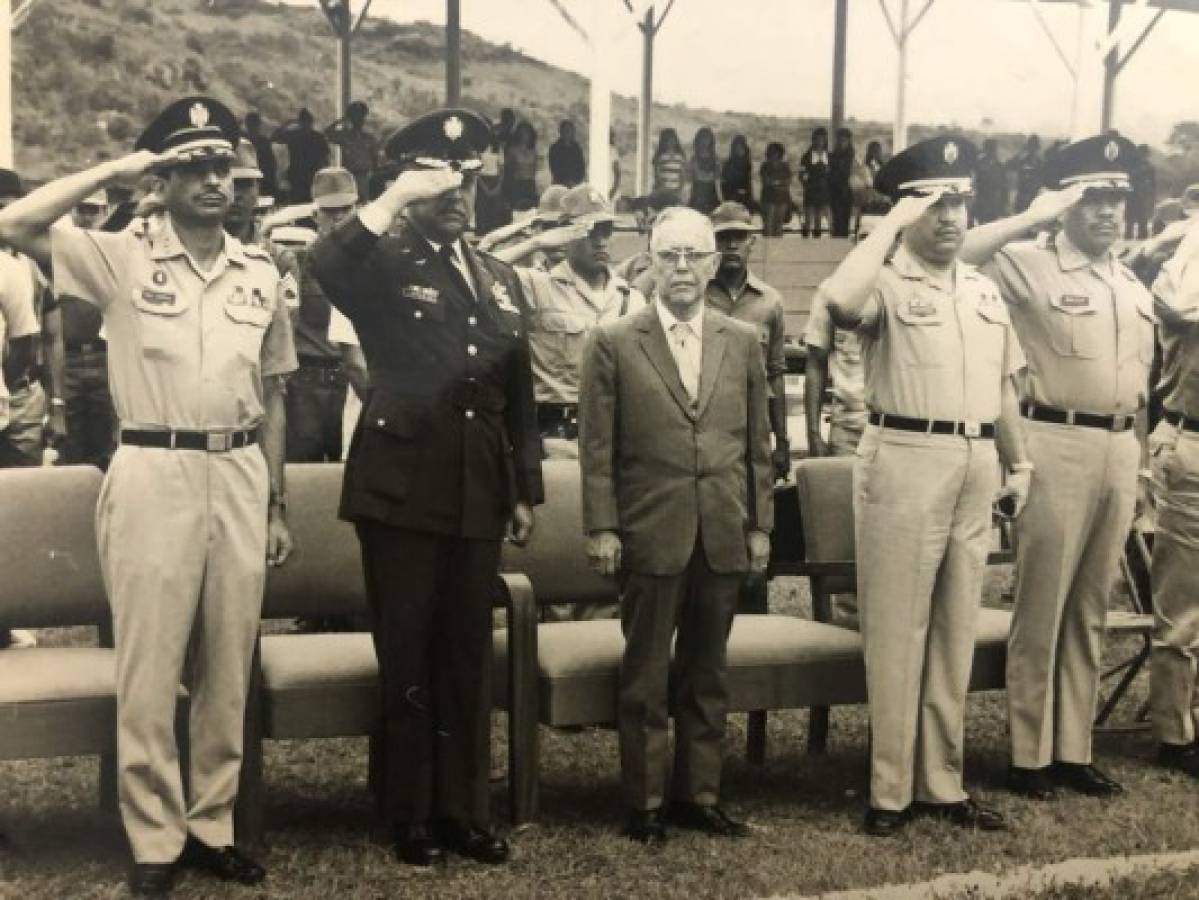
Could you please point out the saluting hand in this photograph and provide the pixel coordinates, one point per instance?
(1048, 205)
(128, 169)
(604, 552)
(555, 238)
(908, 209)
(423, 184)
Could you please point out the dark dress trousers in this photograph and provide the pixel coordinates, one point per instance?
(446, 446)
(681, 483)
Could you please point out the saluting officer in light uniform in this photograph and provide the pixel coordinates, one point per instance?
(1086, 325)
(939, 354)
(1174, 453)
(193, 504)
(444, 464)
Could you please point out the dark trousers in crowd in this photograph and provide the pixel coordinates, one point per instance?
(91, 420)
(21, 443)
(814, 217)
(316, 399)
(841, 213)
(431, 604)
(774, 216)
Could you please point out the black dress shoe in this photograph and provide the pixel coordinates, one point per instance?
(645, 827)
(472, 842)
(968, 813)
(151, 879)
(226, 863)
(1085, 779)
(1182, 758)
(708, 819)
(885, 822)
(415, 846)
(1035, 784)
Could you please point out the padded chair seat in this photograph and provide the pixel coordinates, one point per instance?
(57, 701)
(319, 685)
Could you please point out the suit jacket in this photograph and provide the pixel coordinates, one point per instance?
(448, 440)
(660, 472)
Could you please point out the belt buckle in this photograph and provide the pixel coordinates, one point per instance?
(219, 442)
(972, 429)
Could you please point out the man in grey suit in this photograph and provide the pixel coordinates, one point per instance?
(674, 446)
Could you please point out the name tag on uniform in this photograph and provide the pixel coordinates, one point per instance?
(922, 308)
(1075, 301)
(420, 293)
(157, 298)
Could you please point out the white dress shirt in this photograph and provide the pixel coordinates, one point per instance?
(686, 340)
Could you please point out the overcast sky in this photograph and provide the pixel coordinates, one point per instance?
(972, 60)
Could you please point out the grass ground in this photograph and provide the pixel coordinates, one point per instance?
(324, 840)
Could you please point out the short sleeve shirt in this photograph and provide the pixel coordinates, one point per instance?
(932, 353)
(187, 349)
(844, 351)
(761, 306)
(18, 314)
(1176, 292)
(1086, 327)
(562, 311)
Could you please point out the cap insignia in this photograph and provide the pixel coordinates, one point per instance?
(453, 128)
(198, 115)
(1111, 151)
(951, 153)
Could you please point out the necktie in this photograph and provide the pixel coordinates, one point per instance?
(685, 356)
(446, 254)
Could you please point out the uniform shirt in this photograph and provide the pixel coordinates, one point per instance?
(1087, 328)
(561, 311)
(359, 149)
(844, 350)
(310, 320)
(1177, 302)
(930, 353)
(759, 305)
(187, 349)
(18, 317)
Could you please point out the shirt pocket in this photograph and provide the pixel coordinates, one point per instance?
(388, 448)
(1146, 329)
(564, 334)
(991, 337)
(1075, 328)
(159, 321)
(248, 323)
(921, 333)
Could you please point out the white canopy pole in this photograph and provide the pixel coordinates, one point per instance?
(599, 170)
(6, 148)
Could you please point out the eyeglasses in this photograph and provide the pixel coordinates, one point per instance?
(674, 255)
(201, 168)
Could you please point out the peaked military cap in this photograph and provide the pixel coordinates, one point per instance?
(444, 138)
(1104, 161)
(245, 161)
(583, 203)
(197, 127)
(731, 216)
(943, 164)
(334, 187)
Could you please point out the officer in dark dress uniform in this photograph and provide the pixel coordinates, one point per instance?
(444, 464)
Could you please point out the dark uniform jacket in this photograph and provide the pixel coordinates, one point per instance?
(448, 440)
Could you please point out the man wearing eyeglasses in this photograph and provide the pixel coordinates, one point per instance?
(1087, 326)
(677, 502)
(444, 465)
(193, 505)
(939, 354)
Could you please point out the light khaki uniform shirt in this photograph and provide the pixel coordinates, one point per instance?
(1086, 327)
(930, 353)
(188, 349)
(562, 309)
(1176, 291)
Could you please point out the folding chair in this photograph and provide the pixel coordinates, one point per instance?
(1134, 567)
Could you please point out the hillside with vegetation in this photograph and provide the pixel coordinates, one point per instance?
(89, 73)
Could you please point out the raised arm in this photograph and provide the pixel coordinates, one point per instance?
(984, 241)
(25, 224)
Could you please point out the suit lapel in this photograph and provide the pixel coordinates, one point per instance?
(713, 356)
(484, 282)
(653, 342)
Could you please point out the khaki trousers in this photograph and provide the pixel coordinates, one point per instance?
(923, 520)
(1174, 672)
(700, 605)
(843, 440)
(182, 540)
(1069, 541)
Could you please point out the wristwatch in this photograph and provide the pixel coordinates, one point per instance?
(279, 500)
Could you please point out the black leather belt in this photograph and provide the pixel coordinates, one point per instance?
(318, 362)
(95, 345)
(934, 426)
(557, 412)
(1074, 417)
(211, 441)
(1178, 420)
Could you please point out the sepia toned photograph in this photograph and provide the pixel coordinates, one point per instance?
(599, 449)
